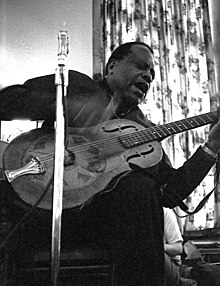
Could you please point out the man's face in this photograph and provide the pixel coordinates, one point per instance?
(130, 78)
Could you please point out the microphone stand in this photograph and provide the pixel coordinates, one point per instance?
(61, 80)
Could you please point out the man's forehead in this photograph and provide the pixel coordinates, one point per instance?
(142, 53)
(141, 49)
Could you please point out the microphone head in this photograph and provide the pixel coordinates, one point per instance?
(63, 47)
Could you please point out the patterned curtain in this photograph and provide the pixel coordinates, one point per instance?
(179, 33)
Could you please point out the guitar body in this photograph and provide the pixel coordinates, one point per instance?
(94, 156)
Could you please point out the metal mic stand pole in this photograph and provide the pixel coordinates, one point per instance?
(61, 88)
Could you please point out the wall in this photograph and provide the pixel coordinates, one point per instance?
(28, 37)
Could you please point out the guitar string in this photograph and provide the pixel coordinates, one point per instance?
(147, 131)
(96, 144)
(112, 142)
(88, 157)
(108, 148)
(100, 143)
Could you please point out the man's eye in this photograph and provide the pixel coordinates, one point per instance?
(140, 66)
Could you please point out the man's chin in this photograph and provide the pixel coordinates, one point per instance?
(132, 101)
(136, 100)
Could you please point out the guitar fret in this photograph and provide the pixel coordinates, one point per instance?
(166, 130)
(209, 117)
(170, 128)
(184, 125)
(162, 131)
(190, 123)
(177, 125)
(195, 121)
(203, 119)
(134, 139)
(142, 138)
(154, 133)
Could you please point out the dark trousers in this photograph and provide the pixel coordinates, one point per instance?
(128, 219)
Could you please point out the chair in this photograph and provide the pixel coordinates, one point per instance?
(207, 243)
(87, 265)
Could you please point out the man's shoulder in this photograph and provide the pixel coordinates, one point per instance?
(50, 78)
(73, 74)
(76, 81)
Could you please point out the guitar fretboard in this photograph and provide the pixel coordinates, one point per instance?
(158, 133)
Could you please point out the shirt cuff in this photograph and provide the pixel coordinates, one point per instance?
(209, 151)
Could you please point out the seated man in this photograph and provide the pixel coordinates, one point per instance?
(173, 247)
(127, 209)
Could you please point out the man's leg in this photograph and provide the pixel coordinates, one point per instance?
(129, 220)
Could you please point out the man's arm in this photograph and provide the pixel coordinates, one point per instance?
(180, 183)
(173, 249)
(36, 98)
(22, 102)
(172, 235)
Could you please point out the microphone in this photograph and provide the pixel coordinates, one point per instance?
(63, 47)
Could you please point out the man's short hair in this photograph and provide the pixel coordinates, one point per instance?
(124, 50)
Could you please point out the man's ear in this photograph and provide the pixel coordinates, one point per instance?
(111, 66)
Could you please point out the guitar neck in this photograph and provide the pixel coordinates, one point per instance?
(160, 132)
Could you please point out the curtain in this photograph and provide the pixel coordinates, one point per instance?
(179, 33)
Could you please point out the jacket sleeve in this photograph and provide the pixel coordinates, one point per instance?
(178, 184)
(175, 185)
(36, 98)
(27, 101)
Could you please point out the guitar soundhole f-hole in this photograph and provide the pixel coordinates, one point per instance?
(119, 128)
(141, 154)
